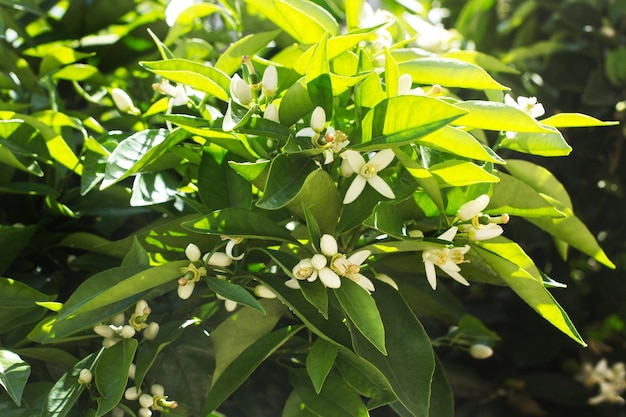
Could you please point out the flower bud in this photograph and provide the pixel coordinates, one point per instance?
(157, 390)
(219, 259)
(132, 393)
(145, 400)
(144, 412)
(85, 377)
(328, 244)
(104, 330)
(107, 342)
(405, 82)
(480, 351)
(264, 292)
(123, 101)
(193, 252)
(240, 90)
(127, 332)
(473, 208)
(131, 371)
(141, 308)
(269, 81)
(318, 261)
(185, 291)
(117, 412)
(271, 113)
(318, 119)
(119, 319)
(152, 331)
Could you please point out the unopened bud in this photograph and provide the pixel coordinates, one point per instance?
(264, 292)
(127, 332)
(328, 244)
(131, 371)
(218, 259)
(141, 308)
(480, 351)
(318, 119)
(145, 400)
(118, 319)
(132, 393)
(107, 342)
(193, 252)
(144, 412)
(85, 377)
(152, 331)
(241, 90)
(117, 412)
(271, 113)
(405, 82)
(269, 81)
(123, 101)
(104, 330)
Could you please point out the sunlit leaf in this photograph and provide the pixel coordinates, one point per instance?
(230, 60)
(285, 180)
(490, 115)
(458, 142)
(14, 373)
(543, 144)
(574, 120)
(458, 173)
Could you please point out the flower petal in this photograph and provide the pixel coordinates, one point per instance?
(381, 186)
(456, 276)
(355, 189)
(488, 231)
(328, 244)
(448, 234)
(364, 282)
(473, 208)
(431, 274)
(355, 160)
(382, 158)
(329, 278)
(193, 253)
(307, 132)
(359, 257)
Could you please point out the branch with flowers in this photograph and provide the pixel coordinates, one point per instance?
(311, 190)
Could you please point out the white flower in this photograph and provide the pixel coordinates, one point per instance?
(123, 101)
(191, 275)
(480, 351)
(304, 270)
(528, 105)
(269, 83)
(329, 278)
(328, 245)
(178, 95)
(608, 393)
(367, 172)
(480, 226)
(240, 91)
(318, 119)
(264, 292)
(85, 376)
(446, 258)
(232, 241)
(271, 113)
(350, 267)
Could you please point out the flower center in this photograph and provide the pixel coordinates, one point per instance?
(368, 170)
(441, 256)
(304, 272)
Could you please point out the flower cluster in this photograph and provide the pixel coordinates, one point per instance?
(330, 265)
(246, 92)
(155, 401)
(118, 330)
(610, 380)
(197, 266)
(332, 141)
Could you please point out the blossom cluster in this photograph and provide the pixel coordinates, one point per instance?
(611, 381)
(120, 329)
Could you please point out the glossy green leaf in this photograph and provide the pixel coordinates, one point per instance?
(486, 62)
(151, 188)
(239, 222)
(65, 392)
(220, 186)
(248, 325)
(230, 60)
(234, 292)
(392, 74)
(163, 49)
(458, 142)
(244, 364)
(574, 120)
(404, 119)
(194, 74)
(386, 219)
(515, 198)
(60, 56)
(423, 177)
(111, 374)
(319, 194)
(320, 361)
(409, 364)
(313, 228)
(441, 395)
(318, 78)
(14, 373)
(295, 407)
(572, 231)
(449, 72)
(490, 115)
(370, 91)
(361, 309)
(317, 294)
(457, 173)
(295, 104)
(540, 179)
(285, 180)
(335, 399)
(76, 72)
(519, 273)
(543, 144)
(236, 116)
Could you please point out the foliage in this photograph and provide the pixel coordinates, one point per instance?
(313, 163)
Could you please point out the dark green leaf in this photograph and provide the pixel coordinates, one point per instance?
(234, 292)
(137, 255)
(320, 361)
(14, 373)
(168, 333)
(112, 374)
(285, 180)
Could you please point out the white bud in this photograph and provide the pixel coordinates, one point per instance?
(185, 291)
(119, 319)
(123, 101)
(127, 332)
(318, 119)
(152, 331)
(145, 400)
(230, 305)
(157, 390)
(104, 330)
(85, 376)
(107, 342)
(132, 393)
(473, 208)
(193, 252)
(271, 113)
(405, 82)
(264, 292)
(117, 412)
(328, 244)
(480, 351)
(269, 81)
(140, 308)
(219, 259)
(144, 412)
(318, 261)
(241, 90)
(131, 371)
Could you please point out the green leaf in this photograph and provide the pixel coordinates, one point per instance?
(151, 188)
(59, 56)
(441, 396)
(237, 116)
(423, 177)
(540, 179)
(295, 104)
(286, 177)
(244, 364)
(316, 293)
(112, 374)
(409, 364)
(449, 72)
(386, 219)
(319, 194)
(320, 361)
(194, 74)
(230, 60)
(404, 119)
(234, 292)
(392, 74)
(65, 392)
(239, 222)
(336, 398)
(168, 333)
(295, 407)
(220, 186)
(490, 115)
(486, 62)
(505, 258)
(312, 227)
(456, 173)
(76, 72)
(137, 255)
(361, 308)
(458, 142)
(574, 120)
(515, 198)
(543, 144)
(14, 373)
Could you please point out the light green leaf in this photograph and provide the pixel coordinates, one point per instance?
(490, 115)
(76, 72)
(409, 364)
(449, 72)
(392, 74)
(458, 142)
(457, 173)
(194, 74)
(234, 292)
(14, 373)
(239, 222)
(244, 364)
(423, 177)
(516, 198)
(320, 361)
(574, 120)
(286, 177)
(543, 144)
(540, 179)
(60, 56)
(230, 60)
(369, 92)
(295, 104)
(319, 194)
(112, 374)
(505, 257)
(486, 62)
(304, 20)
(362, 312)
(404, 119)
